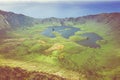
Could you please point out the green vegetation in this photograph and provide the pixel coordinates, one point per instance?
(77, 38)
(8, 73)
(28, 49)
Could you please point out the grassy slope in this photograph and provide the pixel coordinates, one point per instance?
(105, 59)
(27, 50)
(32, 51)
(8, 73)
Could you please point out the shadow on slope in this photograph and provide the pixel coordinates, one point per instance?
(9, 73)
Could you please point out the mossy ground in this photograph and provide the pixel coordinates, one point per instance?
(28, 49)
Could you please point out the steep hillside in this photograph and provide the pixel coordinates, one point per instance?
(27, 48)
(10, 19)
(3, 22)
(111, 19)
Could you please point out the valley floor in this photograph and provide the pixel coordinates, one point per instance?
(28, 49)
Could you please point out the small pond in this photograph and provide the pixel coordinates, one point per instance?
(91, 40)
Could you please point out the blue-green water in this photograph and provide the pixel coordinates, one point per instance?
(67, 31)
(91, 40)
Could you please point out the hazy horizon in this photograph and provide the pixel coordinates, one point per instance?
(61, 9)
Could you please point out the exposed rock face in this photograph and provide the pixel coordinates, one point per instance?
(3, 22)
(3, 26)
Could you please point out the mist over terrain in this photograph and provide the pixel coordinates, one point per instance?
(61, 9)
(60, 41)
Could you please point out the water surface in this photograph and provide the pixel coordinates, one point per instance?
(91, 40)
(65, 31)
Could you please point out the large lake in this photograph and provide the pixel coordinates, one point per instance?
(67, 31)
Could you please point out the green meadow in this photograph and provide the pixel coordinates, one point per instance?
(30, 50)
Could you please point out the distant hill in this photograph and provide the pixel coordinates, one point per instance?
(111, 19)
(21, 43)
(10, 19)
